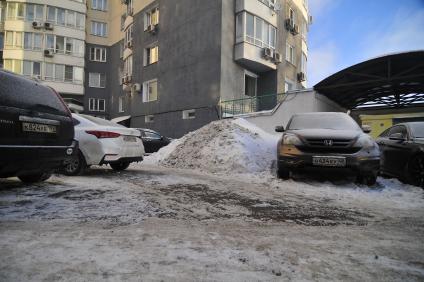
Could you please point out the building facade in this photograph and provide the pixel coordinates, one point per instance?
(160, 64)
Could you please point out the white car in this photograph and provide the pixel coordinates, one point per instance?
(103, 142)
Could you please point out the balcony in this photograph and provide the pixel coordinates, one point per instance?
(258, 9)
(253, 57)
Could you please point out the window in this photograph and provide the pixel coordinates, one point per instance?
(20, 10)
(250, 84)
(32, 69)
(98, 28)
(399, 129)
(269, 3)
(123, 17)
(97, 80)
(290, 54)
(50, 42)
(150, 91)
(60, 16)
(34, 12)
(151, 18)
(11, 10)
(69, 74)
(303, 62)
(27, 41)
(255, 30)
(149, 119)
(64, 17)
(70, 18)
(128, 65)
(38, 41)
(129, 36)
(189, 114)
(18, 39)
(59, 72)
(151, 55)
(80, 21)
(121, 104)
(100, 5)
(129, 7)
(1, 41)
(48, 71)
(96, 105)
(9, 38)
(78, 75)
(60, 44)
(98, 54)
(288, 85)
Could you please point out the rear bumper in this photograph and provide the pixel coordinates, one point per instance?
(16, 160)
(122, 160)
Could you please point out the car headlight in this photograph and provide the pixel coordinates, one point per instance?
(291, 139)
(366, 142)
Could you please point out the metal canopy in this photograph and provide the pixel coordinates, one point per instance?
(392, 81)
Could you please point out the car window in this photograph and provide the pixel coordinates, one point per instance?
(399, 129)
(417, 129)
(322, 121)
(152, 135)
(385, 133)
(19, 92)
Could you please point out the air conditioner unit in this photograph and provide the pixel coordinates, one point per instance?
(152, 28)
(295, 29)
(277, 58)
(48, 53)
(37, 25)
(267, 53)
(289, 24)
(48, 26)
(136, 87)
(301, 77)
(127, 79)
(130, 44)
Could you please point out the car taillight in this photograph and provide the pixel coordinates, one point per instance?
(103, 134)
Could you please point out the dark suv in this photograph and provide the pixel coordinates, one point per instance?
(36, 129)
(327, 140)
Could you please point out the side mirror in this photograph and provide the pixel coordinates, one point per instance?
(279, 128)
(366, 128)
(397, 136)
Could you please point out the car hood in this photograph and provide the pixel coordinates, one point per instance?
(326, 133)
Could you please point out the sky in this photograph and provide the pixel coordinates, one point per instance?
(347, 32)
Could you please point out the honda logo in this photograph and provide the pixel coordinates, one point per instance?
(328, 142)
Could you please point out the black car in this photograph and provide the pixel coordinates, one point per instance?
(402, 152)
(152, 140)
(36, 129)
(327, 139)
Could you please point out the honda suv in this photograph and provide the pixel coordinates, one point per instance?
(36, 129)
(327, 140)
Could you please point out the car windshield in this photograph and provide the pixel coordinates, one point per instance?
(323, 121)
(417, 129)
(100, 121)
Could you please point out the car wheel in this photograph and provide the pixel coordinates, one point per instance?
(368, 179)
(283, 173)
(120, 166)
(34, 177)
(415, 175)
(74, 166)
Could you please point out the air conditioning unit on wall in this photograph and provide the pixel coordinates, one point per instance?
(37, 25)
(267, 53)
(277, 58)
(48, 26)
(301, 77)
(48, 53)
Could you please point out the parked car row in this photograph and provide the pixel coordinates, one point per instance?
(335, 140)
(39, 134)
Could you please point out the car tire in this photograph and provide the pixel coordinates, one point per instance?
(120, 166)
(415, 172)
(283, 173)
(368, 179)
(74, 166)
(35, 177)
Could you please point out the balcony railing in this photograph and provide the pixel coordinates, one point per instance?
(249, 105)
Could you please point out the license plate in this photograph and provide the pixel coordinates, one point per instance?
(130, 138)
(36, 127)
(329, 161)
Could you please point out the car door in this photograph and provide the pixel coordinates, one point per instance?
(394, 153)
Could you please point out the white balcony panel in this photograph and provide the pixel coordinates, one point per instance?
(258, 9)
(57, 29)
(69, 88)
(251, 56)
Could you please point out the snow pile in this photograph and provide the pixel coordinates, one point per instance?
(225, 146)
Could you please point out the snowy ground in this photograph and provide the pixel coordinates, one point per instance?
(211, 221)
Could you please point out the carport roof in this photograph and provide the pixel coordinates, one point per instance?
(391, 81)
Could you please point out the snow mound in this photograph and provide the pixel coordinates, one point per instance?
(225, 146)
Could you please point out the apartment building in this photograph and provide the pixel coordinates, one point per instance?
(160, 64)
